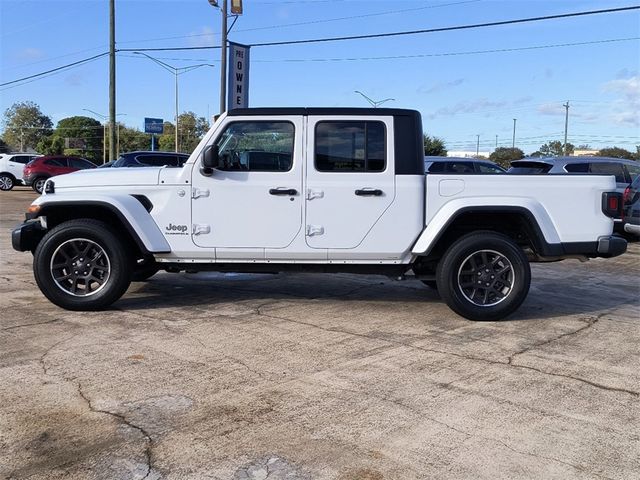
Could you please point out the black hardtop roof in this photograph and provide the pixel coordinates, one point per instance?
(321, 111)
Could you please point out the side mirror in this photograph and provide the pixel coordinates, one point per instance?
(210, 160)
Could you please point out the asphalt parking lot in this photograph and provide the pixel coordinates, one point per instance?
(209, 376)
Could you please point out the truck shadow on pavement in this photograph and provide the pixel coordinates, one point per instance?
(550, 298)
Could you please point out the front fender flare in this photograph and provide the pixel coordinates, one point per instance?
(134, 217)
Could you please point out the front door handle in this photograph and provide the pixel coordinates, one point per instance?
(283, 191)
(369, 192)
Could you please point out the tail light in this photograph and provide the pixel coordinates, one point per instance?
(612, 204)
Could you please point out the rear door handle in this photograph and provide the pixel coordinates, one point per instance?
(369, 192)
(283, 191)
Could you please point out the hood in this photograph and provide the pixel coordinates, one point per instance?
(108, 177)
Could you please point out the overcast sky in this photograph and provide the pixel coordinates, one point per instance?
(460, 96)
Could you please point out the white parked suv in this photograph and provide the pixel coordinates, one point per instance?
(314, 190)
(11, 166)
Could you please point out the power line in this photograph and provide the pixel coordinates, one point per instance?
(312, 22)
(447, 54)
(53, 70)
(396, 34)
(449, 29)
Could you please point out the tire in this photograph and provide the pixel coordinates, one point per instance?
(96, 284)
(484, 276)
(144, 271)
(38, 184)
(7, 182)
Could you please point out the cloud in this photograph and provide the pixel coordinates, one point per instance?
(203, 37)
(551, 109)
(30, 54)
(627, 107)
(626, 73)
(441, 86)
(467, 107)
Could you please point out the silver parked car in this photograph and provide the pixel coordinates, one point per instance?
(624, 170)
(461, 165)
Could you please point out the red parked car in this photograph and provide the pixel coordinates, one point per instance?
(37, 171)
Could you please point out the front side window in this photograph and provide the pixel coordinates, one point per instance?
(485, 168)
(256, 147)
(350, 146)
(577, 168)
(460, 167)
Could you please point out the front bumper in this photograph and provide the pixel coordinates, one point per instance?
(27, 235)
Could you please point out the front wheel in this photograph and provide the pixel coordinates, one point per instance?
(81, 265)
(6, 182)
(484, 276)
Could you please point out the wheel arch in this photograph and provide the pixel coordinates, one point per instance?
(517, 222)
(127, 214)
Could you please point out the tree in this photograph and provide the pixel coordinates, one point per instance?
(52, 145)
(4, 148)
(25, 125)
(132, 139)
(191, 129)
(434, 147)
(82, 134)
(555, 148)
(503, 156)
(617, 152)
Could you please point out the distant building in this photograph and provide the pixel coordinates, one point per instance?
(468, 154)
(584, 153)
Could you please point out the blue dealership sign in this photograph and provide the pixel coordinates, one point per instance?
(153, 125)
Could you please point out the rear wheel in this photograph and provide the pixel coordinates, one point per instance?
(38, 184)
(484, 276)
(81, 265)
(6, 181)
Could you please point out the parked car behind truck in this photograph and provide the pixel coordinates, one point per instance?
(38, 170)
(335, 190)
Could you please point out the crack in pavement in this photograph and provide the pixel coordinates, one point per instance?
(122, 419)
(458, 355)
(30, 324)
(420, 413)
(589, 322)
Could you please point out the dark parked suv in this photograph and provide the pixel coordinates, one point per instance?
(631, 208)
(37, 171)
(148, 159)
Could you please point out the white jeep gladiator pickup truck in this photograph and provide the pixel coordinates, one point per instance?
(314, 190)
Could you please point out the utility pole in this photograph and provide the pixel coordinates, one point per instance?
(176, 72)
(566, 126)
(478, 146)
(21, 140)
(496, 142)
(223, 60)
(112, 80)
(513, 143)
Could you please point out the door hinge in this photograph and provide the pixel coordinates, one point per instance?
(311, 194)
(314, 230)
(199, 229)
(199, 192)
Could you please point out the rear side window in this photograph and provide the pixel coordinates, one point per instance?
(350, 146)
(24, 159)
(529, 168)
(437, 167)
(80, 163)
(577, 168)
(460, 167)
(56, 162)
(608, 169)
(634, 171)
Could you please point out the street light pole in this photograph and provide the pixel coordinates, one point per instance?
(223, 60)
(176, 71)
(513, 144)
(112, 80)
(566, 126)
(478, 146)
